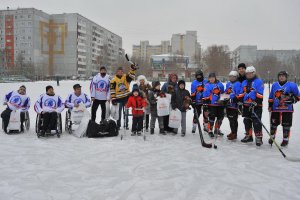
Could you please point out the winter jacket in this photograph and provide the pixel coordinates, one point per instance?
(47, 103)
(241, 78)
(119, 86)
(197, 89)
(253, 91)
(100, 87)
(234, 90)
(170, 83)
(212, 93)
(136, 102)
(280, 94)
(73, 99)
(178, 98)
(16, 101)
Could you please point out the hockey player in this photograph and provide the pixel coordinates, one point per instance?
(281, 99)
(49, 105)
(211, 98)
(233, 89)
(197, 89)
(99, 87)
(119, 89)
(15, 100)
(77, 97)
(252, 97)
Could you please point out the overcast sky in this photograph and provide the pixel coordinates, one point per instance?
(270, 24)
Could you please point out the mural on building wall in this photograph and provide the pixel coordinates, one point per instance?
(52, 40)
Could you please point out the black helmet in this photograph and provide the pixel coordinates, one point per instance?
(198, 73)
(284, 73)
(212, 74)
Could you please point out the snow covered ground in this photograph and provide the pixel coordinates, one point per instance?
(163, 167)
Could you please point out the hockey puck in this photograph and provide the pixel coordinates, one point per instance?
(215, 147)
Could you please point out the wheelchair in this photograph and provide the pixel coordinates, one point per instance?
(26, 124)
(69, 122)
(39, 125)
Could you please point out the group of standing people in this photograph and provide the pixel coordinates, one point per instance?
(241, 95)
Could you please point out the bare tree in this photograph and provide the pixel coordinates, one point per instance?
(217, 59)
(268, 67)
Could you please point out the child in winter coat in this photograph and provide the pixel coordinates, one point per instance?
(152, 97)
(181, 100)
(138, 104)
(211, 98)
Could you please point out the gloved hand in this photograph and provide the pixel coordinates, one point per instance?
(193, 104)
(114, 102)
(133, 66)
(235, 100)
(291, 100)
(205, 107)
(252, 105)
(226, 101)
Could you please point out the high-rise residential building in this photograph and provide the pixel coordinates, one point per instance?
(144, 51)
(186, 44)
(56, 44)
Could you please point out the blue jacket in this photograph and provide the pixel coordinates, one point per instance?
(253, 91)
(197, 89)
(280, 93)
(234, 90)
(212, 93)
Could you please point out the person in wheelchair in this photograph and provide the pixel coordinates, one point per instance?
(74, 99)
(49, 106)
(15, 100)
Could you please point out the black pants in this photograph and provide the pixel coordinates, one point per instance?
(283, 118)
(232, 115)
(147, 120)
(199, 109)
(122, 103)
(166, 124)
(251, 122)
(215, 112)
(5, 115)
(50, 121)
(95, 106)
(137, 124)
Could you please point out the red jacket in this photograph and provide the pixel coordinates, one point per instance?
(136, 103)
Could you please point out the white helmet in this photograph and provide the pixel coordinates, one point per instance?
(234, 73)
(250, 69)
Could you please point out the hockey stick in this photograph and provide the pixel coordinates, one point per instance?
(131, 63)
(204, 144)
(293, 159)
